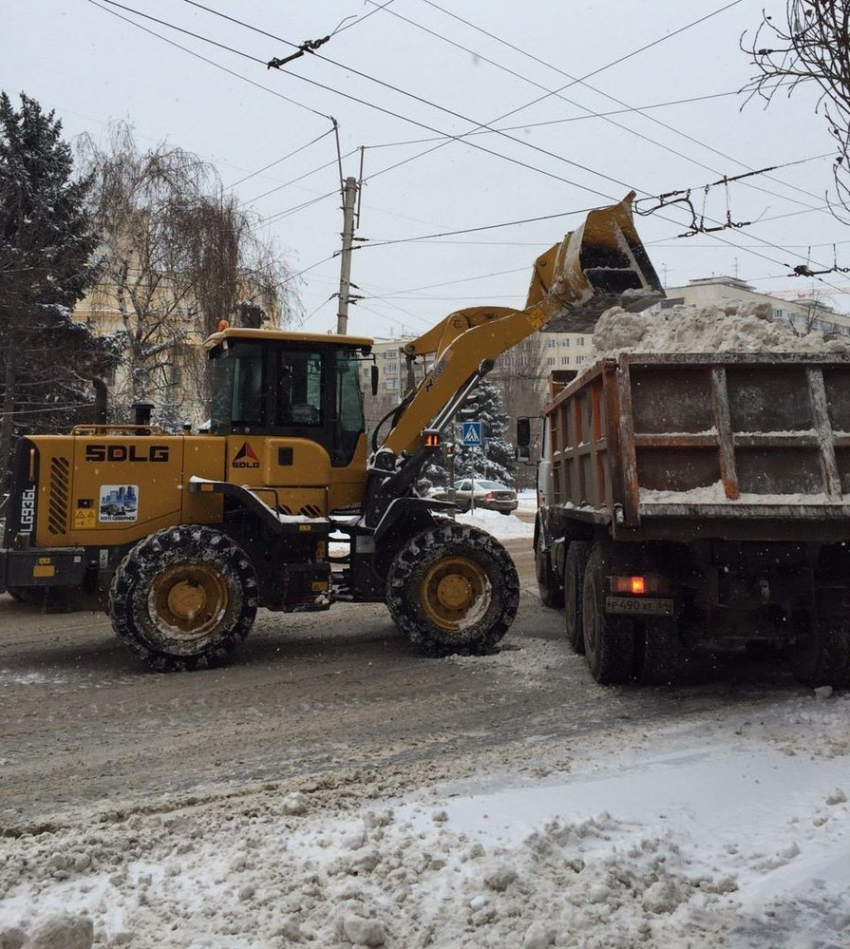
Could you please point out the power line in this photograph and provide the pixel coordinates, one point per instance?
(371, 105)
(430, 128)
(473, 230)
(211, 62)
(591, 113)
(583, 82)
(277, 161)
(573, 118)
(293, 181)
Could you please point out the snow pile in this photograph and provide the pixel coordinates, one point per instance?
(717, 833)
(716, 494)
(501, 526)
(733, 327)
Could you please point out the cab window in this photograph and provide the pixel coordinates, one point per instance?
(237, 387)
(300, 390)
(349, 406)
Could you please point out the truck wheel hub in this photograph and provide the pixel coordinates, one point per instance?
(189, 598)
(454, 593)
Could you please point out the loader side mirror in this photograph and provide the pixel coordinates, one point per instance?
(375, 376)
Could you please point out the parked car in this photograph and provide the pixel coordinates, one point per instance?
(490, 495)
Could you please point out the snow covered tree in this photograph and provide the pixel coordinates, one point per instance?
(46, 244)
(496, 463)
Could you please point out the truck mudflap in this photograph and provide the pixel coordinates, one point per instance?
(42, 567)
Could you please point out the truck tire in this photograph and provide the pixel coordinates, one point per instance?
(576, 563)
(551, 592)
(453, 588)
(658, 651)
(183, 598)
(821, 655)
(609, 639)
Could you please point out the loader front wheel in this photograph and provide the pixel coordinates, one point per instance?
(184, 598)
(453, 588)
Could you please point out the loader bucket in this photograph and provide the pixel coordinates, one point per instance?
(601, 264)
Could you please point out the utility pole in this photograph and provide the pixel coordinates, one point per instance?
(349, 196)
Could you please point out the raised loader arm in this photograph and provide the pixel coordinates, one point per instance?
(600, 265)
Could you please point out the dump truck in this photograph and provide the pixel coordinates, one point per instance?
(699, 501)
(181, 537)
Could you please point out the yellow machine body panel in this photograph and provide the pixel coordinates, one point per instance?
(103, 490)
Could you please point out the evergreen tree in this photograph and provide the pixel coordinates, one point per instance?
(496, 462)
(46, 244)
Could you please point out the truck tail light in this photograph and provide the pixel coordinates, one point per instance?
(640, 585)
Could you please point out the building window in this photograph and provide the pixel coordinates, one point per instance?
(391, 385)
(565, 360)
(565, 342)
(579, 360)
(550, 361)
(551, 343)
(392, 369)
(580, 341)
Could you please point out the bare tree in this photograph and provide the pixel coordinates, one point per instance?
(177, 256)
(810, 45)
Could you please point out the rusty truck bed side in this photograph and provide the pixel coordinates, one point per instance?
(734, 445)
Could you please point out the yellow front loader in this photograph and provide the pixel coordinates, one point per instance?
(182, 537)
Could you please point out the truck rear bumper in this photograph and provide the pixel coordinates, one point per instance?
(42, 567)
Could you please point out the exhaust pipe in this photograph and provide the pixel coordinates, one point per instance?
(101, 404)
(142, 411)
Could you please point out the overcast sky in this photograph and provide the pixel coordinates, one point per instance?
(558, 157)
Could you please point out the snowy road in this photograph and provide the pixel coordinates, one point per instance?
(169, 808)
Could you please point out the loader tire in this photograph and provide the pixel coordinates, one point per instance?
(184, 598)
(576, 563)
(821, 655)
(551, 592)
(609, 639)
(453, 588)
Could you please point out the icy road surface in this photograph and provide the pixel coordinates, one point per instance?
(330, 788)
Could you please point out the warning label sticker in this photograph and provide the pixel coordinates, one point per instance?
(84, 518)
(119, 503)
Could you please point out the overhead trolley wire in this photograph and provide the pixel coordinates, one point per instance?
(430, 128)
(277, 161)
(582, 81)
(211, 62)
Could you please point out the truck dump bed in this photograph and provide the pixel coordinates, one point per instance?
(707, 445)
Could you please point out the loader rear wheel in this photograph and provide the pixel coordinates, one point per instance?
(609, 639)
(184, 598)
(453, 588)
(576, 563)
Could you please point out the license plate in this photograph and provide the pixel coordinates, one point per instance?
(630, 604)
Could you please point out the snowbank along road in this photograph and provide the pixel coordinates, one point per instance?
(331, 788)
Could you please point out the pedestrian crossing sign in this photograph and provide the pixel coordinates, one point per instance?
(471, 433)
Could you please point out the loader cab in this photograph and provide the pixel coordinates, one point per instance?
(294, 385)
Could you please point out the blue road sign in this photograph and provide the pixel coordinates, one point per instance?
(471, 433)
